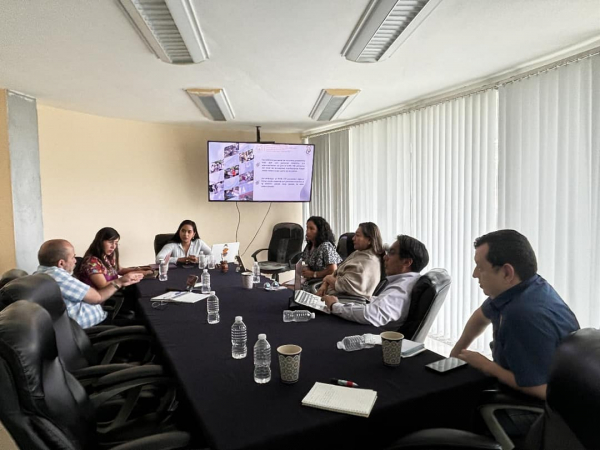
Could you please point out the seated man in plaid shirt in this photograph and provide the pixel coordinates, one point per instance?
(84, 303)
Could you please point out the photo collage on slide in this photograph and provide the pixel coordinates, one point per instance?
(231, 171)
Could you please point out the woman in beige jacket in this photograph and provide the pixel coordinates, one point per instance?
(360, 273)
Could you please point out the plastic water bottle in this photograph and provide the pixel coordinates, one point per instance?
(262, 360)
(201, 261)
(256, 272)
(298, 316)
(238, 339)
(212, 308)
(163, 268)
(358, 342)
(205, 282)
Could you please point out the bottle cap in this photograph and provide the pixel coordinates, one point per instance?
(340, 345)
(238, 318)
(212, 292)
(205, 270)
(312, 315)
(262, 336)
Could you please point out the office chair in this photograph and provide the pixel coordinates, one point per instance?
(570, 417)
(284, 247)
(160, 240)
(345, 245)
(44, 407)
(427, 297)
(10, 275)
(85, 358)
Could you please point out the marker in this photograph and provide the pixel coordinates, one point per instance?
(343, 382)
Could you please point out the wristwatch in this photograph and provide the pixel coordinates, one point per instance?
(115, 285)
(315, 274)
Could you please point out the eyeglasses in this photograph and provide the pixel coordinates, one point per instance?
(159, 304)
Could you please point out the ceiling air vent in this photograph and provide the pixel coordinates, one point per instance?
(331, 103)
(213, 103)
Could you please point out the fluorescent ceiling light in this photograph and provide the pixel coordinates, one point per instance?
(213, 103)
(331, 103)
(170, 28)
(384, 26)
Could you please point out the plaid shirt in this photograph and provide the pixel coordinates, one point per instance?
(73, 291)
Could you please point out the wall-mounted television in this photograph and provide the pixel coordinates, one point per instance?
(259, 172)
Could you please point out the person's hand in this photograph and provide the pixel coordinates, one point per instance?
(322, 290)
(191, 259)
(330, 280)
(131, 278)
(330, 300)
(476, 360)
(455, 352)
(306, 272)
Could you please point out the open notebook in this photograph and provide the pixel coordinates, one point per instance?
(347, 400)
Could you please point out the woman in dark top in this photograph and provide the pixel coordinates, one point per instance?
(320, 255)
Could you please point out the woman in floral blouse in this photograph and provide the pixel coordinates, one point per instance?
(100, 263)
(320, 255)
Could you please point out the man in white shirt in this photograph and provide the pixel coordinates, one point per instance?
(389, 310)
(84, 303)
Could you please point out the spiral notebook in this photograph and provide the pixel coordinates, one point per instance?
(347, 400)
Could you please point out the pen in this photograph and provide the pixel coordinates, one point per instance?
(343, 382)
(179, 294)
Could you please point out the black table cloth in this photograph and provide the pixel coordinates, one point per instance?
(237, 413)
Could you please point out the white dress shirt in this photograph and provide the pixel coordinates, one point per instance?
(176, 250)
(387, 310)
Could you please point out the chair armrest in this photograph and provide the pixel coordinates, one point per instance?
(100, 370)
(294, 259)
(163, 441)
(130, 330)
(257, 252)
(444, 438)
(130, 373)
(108, 347)
(92, 331)
(512, 399)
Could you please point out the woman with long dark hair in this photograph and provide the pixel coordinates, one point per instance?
(185, 246)
(100, 263)
(320, 255)
(360, 273)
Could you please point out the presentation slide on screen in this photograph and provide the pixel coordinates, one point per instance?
(259, 172)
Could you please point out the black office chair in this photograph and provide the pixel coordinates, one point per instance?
(44, 407)
(160, 240)
(285, 247)
(427, 297)
(10, 275)
(345, 245)
(85, 358)
(570, 418)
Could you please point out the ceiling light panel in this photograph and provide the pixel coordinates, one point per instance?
(213, 103)
(170, 28)
(377, 34)
(331, 103)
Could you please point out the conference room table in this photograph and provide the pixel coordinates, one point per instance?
(234, 412)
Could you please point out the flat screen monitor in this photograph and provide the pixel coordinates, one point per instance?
(257, 172)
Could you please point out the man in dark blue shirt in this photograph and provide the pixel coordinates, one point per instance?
(528, 317)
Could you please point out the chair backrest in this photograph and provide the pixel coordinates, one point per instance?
(573, 394)
(345, 245)
(286, 241)
(42, 405)
(426, 299)
(10, 275)
(160, 240)
(74, 347)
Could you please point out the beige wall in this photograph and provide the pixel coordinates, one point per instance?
(142, 179)
(7, 232)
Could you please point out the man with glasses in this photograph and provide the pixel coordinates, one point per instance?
(528, 317)
(403, 264)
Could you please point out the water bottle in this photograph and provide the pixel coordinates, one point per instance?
(298, 316)
(256, 273)
(163, 268)
(201, 261)
(262, 360)
(212, 308)
(238, 339)
(358, 342)
(205, 282)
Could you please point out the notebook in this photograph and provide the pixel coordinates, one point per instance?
(180, 297)
(302, 298)
(233, 248)
(340, 399)
(411, 348)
